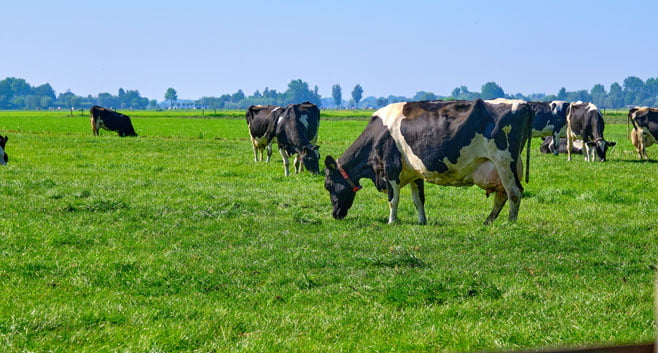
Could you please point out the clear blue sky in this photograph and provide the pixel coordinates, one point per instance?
(207, 48)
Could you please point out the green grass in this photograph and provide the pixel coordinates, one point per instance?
(177, 241)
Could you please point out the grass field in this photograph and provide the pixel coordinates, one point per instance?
(177, 241)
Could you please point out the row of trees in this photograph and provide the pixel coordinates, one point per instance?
(298, 91)
(16, 93)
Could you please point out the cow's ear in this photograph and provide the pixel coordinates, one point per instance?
(611, 143)
(330, 163)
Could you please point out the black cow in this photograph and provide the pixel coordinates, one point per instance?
(261, 120)
(547, 146)
(460, 143)
(550, 120)
(585, 120)
(107, 119)
(297, 133)
(645, 129)
(3, 143)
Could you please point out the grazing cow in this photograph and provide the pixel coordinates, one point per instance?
(550, 120)
(459, 143)
(102, 118)
(547, 146)
(3, 143)
(645, 129)
(261, 120)
(297, 133)
(585, 120)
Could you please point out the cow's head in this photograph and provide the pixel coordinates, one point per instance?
(3, 143)
(310, 157)
(601, 147)
(340, 192)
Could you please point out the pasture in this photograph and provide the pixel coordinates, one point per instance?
(177, 241)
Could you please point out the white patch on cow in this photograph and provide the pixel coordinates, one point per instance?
(557, 106)
(591, 107)
(480, 150)
(304, 120)
(513, 102)
(2, 160)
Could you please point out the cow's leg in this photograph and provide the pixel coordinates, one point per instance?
(589, 150)
(298, 164)
(511, 188)
(499, 202)
(254, 146)
(286, 163)
(569, 143)
(643, 147)
(393, 201)
(418, 196)
(556, 143)
(269, 152)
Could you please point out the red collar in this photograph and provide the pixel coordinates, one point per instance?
(342, 171)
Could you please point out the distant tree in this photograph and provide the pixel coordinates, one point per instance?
(337, 93)
(237, 96)
(381, 101)
(357, 94)
(396, 99)
(257, 94)
(46, 102)
(462, 92)
(299, 92)
(424, 96)
(491, 90)
(580, 95)
(562, 94)
(171, 96)
(615, 97)
(121, 92)
(634, 91)
(598, 95)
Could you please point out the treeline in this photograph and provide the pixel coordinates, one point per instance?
(15, 93)
(298, 91)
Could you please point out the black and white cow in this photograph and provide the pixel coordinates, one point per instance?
(102, 118)
(261, 120)
(296, 133)
(459, 143)
(550, 120)
(585, 120)
(547, 146)
(3, 143)
(645, 129)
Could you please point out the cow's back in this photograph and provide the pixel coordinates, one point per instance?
(448, 140)
(261, 120)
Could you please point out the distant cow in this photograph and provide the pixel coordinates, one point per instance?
(261, 120)
(585, 120)
(102, 118)
(547, 146)
(550, 120)
(296, 133)
(645, 129)
(459, 143)
(3, 143)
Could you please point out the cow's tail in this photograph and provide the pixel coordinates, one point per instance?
(628, 123)
(527, 147)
